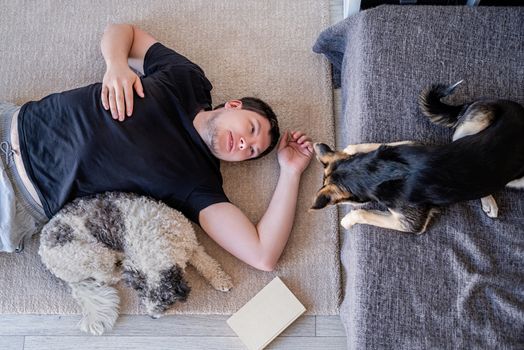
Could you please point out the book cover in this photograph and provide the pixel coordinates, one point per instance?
(266, 315)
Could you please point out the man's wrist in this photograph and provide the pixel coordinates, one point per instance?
(116, 63)
(290, 173)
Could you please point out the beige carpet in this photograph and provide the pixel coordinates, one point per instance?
(246, 47)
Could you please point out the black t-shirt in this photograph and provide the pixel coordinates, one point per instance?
(71, 147)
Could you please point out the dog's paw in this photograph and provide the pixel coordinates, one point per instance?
(351, 218)
(96, 327)
(351, 150)
(155, 315)
(490, 207)
(222, 282)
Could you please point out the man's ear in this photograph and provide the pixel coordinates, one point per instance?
(233, 104)
(323, 153)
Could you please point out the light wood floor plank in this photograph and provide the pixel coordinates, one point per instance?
(11, 343)
(329, 326)
(133, 325)
(169, 343)
(132, 343)
(308, 343)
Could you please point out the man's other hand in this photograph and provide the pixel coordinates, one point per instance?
(295, 151)
(117, 91)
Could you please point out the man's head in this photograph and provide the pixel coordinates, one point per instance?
(242, 129)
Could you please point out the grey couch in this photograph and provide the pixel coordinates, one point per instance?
(461, 284)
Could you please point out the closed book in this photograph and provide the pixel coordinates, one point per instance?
(266, 315)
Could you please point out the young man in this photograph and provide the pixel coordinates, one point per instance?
(164, 142)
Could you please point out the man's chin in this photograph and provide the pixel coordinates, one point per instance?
(227, 158)
(218, 154)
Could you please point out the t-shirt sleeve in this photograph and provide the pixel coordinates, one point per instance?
(200, 199)
(159, 56)
(179, 75)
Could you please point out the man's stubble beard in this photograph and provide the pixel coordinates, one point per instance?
(212, 134)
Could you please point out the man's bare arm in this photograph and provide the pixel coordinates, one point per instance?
(259, 246)
(262, 245)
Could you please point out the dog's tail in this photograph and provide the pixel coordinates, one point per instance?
(439, 112)
(99, 304)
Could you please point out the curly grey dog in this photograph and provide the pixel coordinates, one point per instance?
(93, 242)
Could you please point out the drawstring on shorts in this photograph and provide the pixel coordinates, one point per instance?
(8, 152)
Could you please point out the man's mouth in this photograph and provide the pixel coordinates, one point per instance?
(230, 142)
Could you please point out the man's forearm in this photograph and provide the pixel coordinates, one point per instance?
(276, 224)
(116, 44)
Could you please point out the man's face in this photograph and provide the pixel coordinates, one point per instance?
(236, 134)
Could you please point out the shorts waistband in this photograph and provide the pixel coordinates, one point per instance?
(8, 159)
(19, 163)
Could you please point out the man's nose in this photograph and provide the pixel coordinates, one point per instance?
(243, 144)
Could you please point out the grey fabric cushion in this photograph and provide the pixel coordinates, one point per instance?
(461, 284)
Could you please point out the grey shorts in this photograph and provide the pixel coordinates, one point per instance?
(20, 216)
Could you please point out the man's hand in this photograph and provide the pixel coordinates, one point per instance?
(117, 91)
(295, 151)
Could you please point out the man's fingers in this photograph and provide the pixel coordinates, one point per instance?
(302, 139)
(128, 95)
(120, 103)
(297, 135)
(112, 104)
(308, 145)
(105, 102)
(302, 142)
(283, 141)
(139, 88)
(298, 141)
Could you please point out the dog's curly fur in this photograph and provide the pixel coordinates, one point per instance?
(93, 242)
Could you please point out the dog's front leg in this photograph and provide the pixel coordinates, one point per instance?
(370, 147)
(374, 218)
(489, 206)
(210, 269)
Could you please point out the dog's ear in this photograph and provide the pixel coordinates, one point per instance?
(328, 195)
(323, 153)
(322, 199)
(173, 283)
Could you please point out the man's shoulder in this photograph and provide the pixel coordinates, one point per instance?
(161, 57)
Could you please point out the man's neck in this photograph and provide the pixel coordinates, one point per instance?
(200, 121)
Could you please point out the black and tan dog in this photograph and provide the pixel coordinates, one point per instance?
(412, 179)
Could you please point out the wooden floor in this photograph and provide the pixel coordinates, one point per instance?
(35, 332)
(45, 332)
